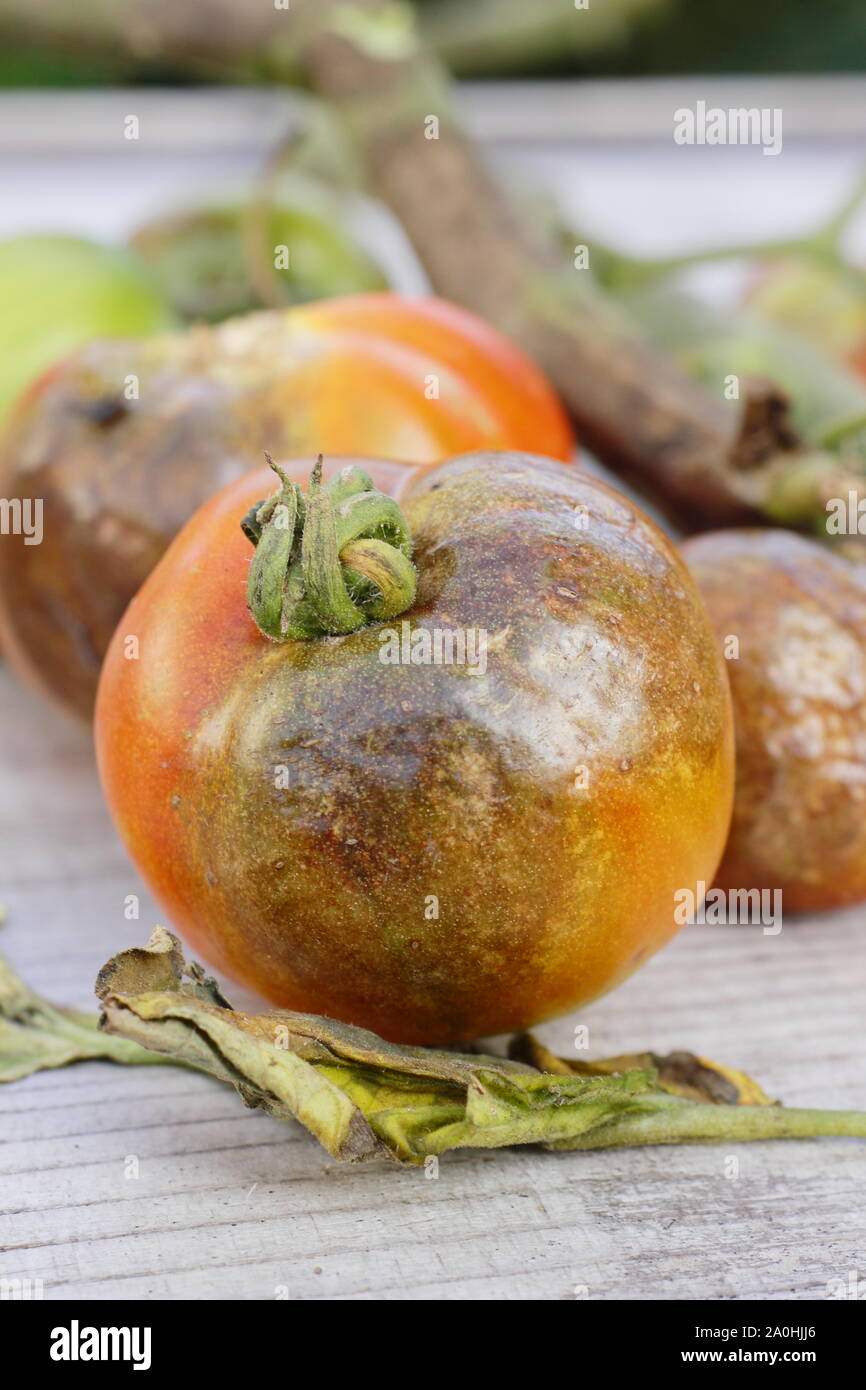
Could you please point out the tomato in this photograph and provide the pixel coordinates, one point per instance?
(793, 616)
(437, 850)
(125, 441)
(423, 378)
(59, 292)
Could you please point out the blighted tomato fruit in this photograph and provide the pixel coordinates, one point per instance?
(454, 822)
(126, 440)
(792, 619)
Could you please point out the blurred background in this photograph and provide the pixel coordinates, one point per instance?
(497, 38)
(576, 108)
(231, 155)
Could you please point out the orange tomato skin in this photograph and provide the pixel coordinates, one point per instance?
(409, 380)
(858, 359)
(798, 614)
(209, 557)
(489, 394)
(553, 807)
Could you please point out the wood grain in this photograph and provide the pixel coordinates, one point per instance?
(230, 1204)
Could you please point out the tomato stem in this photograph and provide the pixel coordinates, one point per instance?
(822, 246)
(687, 1123)
(328, 564)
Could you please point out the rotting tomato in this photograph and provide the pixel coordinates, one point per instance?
(126, 440)
(794, 618)
(430, 850)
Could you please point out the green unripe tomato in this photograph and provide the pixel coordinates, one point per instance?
(58, 293)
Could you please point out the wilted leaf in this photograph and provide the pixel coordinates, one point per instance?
(35, 1035)
(679, 1073)
(363, 1097)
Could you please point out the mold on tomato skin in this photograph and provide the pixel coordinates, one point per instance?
(465, 851)
(125, 440)
(797, 615)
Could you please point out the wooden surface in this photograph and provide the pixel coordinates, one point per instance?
(231, 1204)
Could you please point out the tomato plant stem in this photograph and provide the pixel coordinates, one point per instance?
(710, 1124)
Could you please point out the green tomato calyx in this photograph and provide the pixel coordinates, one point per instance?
(330, 563)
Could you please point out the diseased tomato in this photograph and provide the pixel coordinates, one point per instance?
(793, 616)
(126, 440)
(434, 849)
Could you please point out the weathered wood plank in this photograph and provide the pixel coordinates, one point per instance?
(230, 1204)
